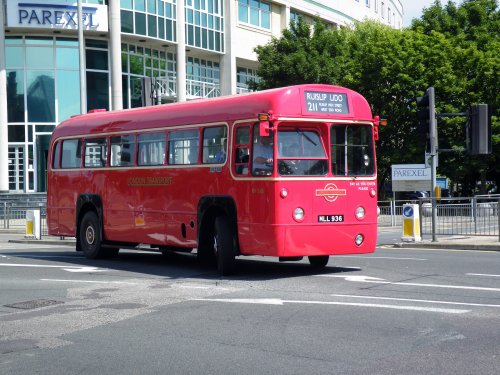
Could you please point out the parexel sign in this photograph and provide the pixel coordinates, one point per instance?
(411, 177)
(56, 15)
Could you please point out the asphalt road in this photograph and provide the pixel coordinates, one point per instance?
(398, 311)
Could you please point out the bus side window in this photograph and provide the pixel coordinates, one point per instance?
(122, 151)
(56, 156)
(71, 153)
(242, 150)
(183, 147)
(151, 149)
(214, 145)
(95, 152)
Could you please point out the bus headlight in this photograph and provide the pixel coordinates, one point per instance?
(359, 239)
(283, 193)
(360, 212)
(298, 214)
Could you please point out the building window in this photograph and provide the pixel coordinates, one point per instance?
(244, 76)
(205, 24)
(255, 12)
(139, 62)
(154, 18)
(98, 89)
(367, 3)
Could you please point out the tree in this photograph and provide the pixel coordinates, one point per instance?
(455, 49)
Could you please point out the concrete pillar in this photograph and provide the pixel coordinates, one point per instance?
(81, 50)
(285, 17)
(115, 43)
(181, 52)
(4, 149)
(228, 60)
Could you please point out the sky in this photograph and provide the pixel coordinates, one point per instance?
(413, 9)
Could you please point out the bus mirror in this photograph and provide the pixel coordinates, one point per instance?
(264, 129)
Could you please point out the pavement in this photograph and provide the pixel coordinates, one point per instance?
(387, 237)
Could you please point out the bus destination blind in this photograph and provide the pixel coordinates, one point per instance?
(326, 102)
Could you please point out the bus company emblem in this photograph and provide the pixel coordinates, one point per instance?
(330, 192)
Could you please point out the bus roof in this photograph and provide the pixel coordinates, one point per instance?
(289, 102)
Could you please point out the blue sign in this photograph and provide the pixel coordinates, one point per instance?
(407, 211)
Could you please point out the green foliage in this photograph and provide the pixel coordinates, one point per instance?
(455, 49)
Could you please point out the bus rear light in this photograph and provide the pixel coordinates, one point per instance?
(284, 193)
(360, 212)
(298, 214)
(373, 192)
(359, 239)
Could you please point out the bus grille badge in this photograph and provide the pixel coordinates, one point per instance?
(330, 192)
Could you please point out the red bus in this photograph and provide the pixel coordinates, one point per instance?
(287, 172)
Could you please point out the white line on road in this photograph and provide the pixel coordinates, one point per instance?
(65, 268)
(482, 274)
(274, 301)
(416, 300)
(88, 281)
(375, 257)
(375, 280)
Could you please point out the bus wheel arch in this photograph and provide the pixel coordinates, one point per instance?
(89, 227)
(210, 209)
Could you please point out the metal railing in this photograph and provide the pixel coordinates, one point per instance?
(478, 216)
(13, 209)
(167, 88)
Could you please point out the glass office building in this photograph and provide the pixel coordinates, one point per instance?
(134, 53)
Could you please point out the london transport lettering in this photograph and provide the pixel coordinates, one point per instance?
(149, 181)
(326, 102)
(48, 15)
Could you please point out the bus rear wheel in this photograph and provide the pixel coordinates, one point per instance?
(318, 261)
(223, 246)
(90, 236)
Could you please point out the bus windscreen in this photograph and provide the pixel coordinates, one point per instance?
(301, 153)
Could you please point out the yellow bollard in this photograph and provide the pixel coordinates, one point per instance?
(411, 223)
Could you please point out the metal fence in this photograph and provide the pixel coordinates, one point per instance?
(14, 208)
(478, 216)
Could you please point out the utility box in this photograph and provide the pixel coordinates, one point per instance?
(411, 223)
(33, 224)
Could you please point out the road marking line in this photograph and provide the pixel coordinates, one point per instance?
(417, 300)
(375, 257)
(47, 256)
(89, 281)
(275, 301)
(375, 280)
(482, 274)
(65, 268)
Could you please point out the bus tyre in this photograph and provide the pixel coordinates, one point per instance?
(318, 261)
(90, 236)
(223, 246)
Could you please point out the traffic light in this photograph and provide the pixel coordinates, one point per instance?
(426, 113)
(479, 129)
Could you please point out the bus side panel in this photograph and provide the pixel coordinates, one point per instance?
(118, 206)
(256, 215)
(52, 204)
(69, 186)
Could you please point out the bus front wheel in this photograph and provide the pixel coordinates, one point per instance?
(223, 246)
(90, 235)
(318, 261)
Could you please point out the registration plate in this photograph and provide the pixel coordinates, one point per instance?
(330, 218)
